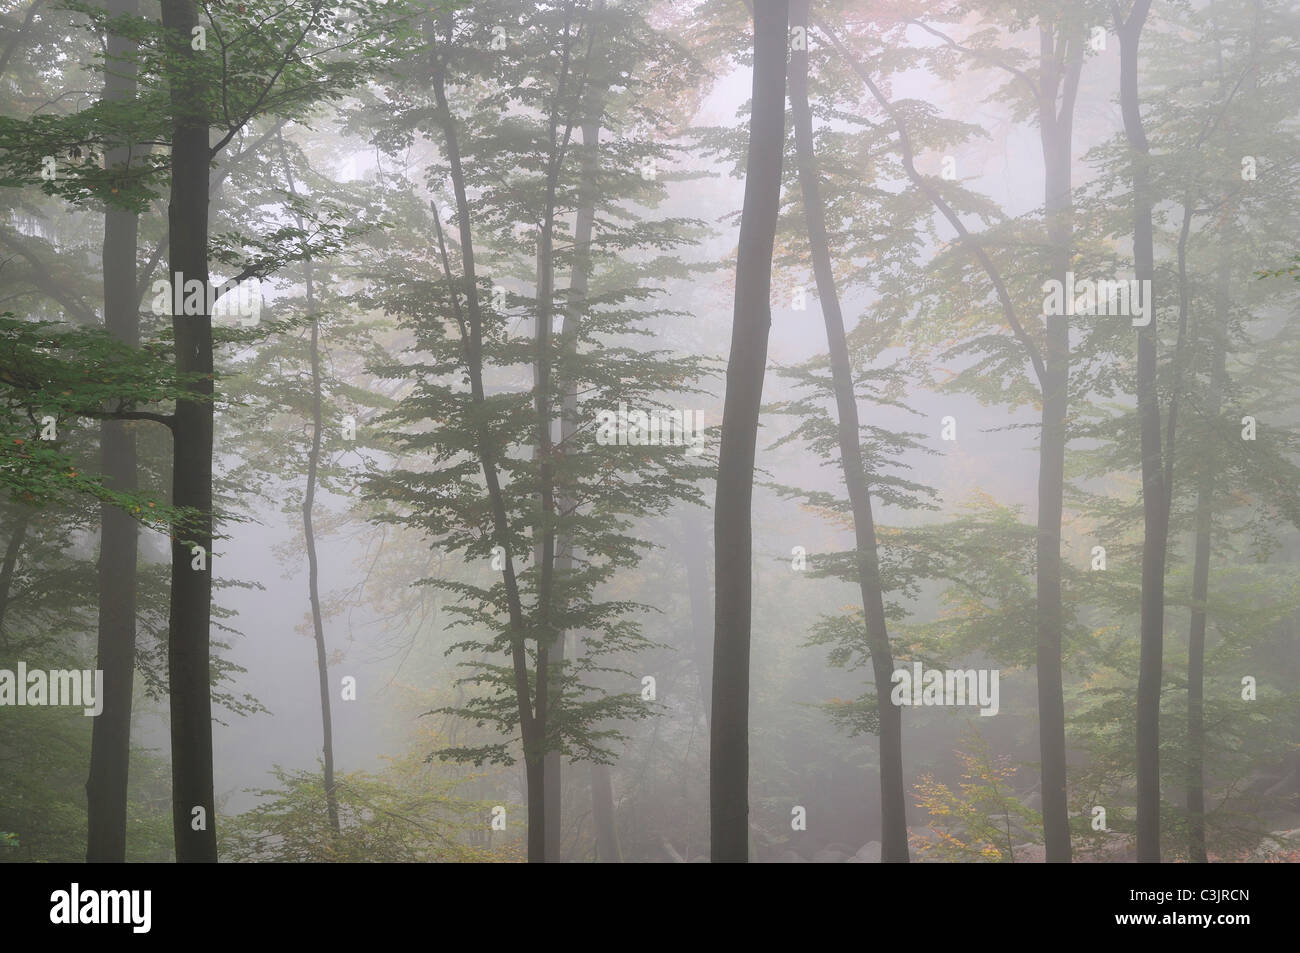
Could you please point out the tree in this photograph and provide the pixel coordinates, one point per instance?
(106, 786)
(746, 365)
(1155, 513)
(524, 171)
(893, 805)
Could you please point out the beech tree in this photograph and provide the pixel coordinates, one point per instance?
(746, 365)
(568, 504)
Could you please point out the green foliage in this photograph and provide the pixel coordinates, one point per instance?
(400, 815)
(982, 819)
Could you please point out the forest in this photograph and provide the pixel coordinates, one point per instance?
(649, 431)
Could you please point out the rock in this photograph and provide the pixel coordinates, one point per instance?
(868, 853)
(1276, 845)
(829, 855)
(1030, 853)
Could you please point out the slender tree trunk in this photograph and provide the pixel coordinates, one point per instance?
(313, 568)
(1055, 131)
(1052, 373)
(189, 642)
(308, 528)
(550, 644)
(1201, 590)
(746, 366)
(549, 639)
(470, 322)
(1196, 841)
(893, 838)
(1155, 523)
(313, 459)
(575, 306)
(110, 746)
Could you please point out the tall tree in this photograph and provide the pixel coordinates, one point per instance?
(229, 91)
(1155, 513)
(746, 367)
(1052, 93)
(317, 424)
(561, 122)
(1201, 586)
(110, 752)
(189, 626)
(579, 282)
(892, 798)
(1060, 65)
(514, 187)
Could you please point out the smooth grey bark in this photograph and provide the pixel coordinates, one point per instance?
(746, 366)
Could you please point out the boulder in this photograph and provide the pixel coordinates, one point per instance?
(829, 855)
(868, 853)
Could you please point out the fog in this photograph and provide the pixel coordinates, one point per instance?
(466, 520)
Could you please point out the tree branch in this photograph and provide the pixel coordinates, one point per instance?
(1017, 73)
(905, 147)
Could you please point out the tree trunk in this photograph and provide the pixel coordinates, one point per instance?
(578, 283)
(1200, 592)
(110, 746)
(313, 570)
(549, 639)
(470, 322)
(893, 839)
(1155, 523)
(1055, 131)
(309, 529)
(189, 643)
(729, 732)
